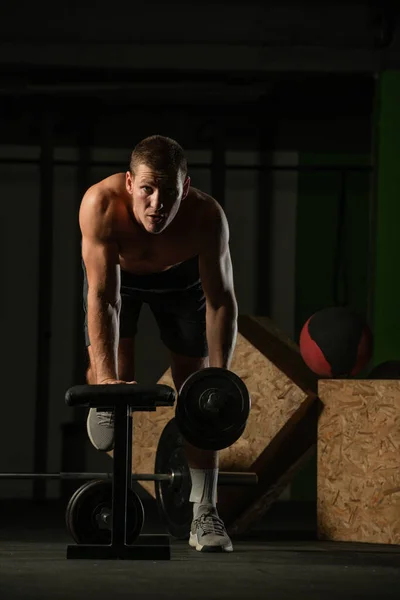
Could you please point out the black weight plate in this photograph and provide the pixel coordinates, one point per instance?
(86, 505)
(205, 429)
(172, 499)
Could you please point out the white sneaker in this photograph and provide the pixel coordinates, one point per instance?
(100, 429)
(208, 533)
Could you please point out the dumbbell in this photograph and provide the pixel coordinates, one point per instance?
(212, 408)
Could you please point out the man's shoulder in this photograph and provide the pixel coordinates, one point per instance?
(100, 208)
(208, 218)
(204, 204)
(103, 196)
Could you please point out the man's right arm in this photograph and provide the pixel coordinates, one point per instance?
(101, 258)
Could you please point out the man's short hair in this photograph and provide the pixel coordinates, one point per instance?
(159, 153)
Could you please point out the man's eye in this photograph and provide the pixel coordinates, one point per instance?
(147, 189)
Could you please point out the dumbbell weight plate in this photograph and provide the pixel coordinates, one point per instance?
(208, 429)
(172, 498)
(86, 506)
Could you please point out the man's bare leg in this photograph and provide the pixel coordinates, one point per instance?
(207, 531)
(182, 367)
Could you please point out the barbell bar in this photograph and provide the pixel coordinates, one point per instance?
(224, 477)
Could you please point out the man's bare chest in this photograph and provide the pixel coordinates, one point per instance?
(158, 253)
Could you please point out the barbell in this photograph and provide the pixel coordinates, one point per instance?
(88, 513)
(224, 477)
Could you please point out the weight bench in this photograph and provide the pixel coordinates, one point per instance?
(123, 399)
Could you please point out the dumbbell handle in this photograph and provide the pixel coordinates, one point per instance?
(224, 477)
(212, 400)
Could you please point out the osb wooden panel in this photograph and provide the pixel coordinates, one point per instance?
(275, 399)
(276, 466)
(254, 506)
(279, 349)
(359, 461)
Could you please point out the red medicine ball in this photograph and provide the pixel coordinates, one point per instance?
(335, 342)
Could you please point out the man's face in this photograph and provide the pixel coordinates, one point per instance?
(156, 196)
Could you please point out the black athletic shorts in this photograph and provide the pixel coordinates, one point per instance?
(177, 301)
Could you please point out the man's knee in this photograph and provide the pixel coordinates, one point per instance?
(126, 359)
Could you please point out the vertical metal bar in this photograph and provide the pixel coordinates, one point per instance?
(373, 199)
(83, 170)
(74, 433)
(340, 279)
(128, 465)
(120, 479)
(44, 303)
(265, 141)
(218, 167)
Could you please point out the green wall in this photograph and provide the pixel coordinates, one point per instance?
(386, 287)
(318, 207)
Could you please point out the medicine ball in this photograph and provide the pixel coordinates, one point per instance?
(336, 342)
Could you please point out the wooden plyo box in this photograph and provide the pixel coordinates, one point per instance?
(359, 461)
(280, 433)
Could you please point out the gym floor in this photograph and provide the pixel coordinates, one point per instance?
(280, 559)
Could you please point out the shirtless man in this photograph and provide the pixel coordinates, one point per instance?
(147, 236)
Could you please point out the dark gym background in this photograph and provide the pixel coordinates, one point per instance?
(285, 110)
(289, 113)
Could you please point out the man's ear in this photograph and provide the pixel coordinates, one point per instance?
(186, 187)
(129, 182)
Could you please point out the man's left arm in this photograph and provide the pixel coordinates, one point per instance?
(217, 279)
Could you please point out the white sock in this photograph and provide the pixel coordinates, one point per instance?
(204, 489)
